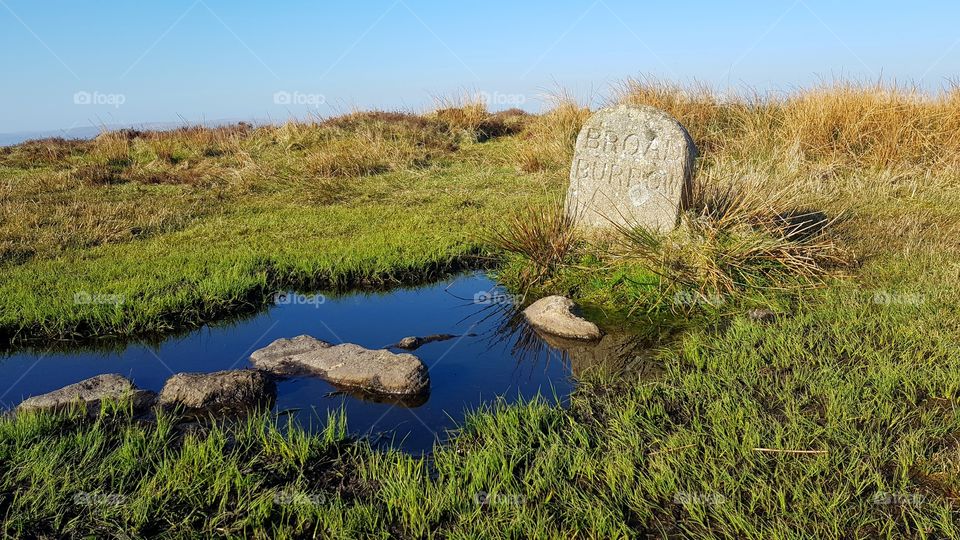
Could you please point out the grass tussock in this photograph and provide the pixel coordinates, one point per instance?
(886, 155)
(42, 152)
(362, 144)
(543, 236)
(549, 138)
(733, 241)
(844, 124)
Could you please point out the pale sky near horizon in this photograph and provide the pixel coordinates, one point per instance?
(81, 63)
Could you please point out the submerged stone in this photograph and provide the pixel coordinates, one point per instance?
(412, 343)
(375, 371)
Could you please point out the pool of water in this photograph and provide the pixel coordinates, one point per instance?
(497, 356)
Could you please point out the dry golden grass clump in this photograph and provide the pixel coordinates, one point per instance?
(42, 152)
(469, 116)
(733, 239)
(867, 126)
(466, 115)
(364, 143)
(188, 155)
(548, 139)
(886, 155)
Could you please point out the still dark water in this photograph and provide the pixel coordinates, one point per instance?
(504, 358)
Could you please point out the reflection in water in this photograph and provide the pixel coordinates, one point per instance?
(495, 355)
(618, 352)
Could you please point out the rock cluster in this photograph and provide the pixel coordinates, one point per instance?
(378, 373)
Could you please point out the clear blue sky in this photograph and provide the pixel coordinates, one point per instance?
(163, 61)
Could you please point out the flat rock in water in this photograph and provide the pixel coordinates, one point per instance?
(233, 389)
(632, 166)
(376, 371)
(555, 315)
(91, 393)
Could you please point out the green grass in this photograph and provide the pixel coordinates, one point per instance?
(839, 418)
(870, 388)
(393, 228)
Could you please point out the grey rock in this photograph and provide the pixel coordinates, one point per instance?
(347, 365)
(233, 389)
(555, 315)
(90, 393)
(632, 166)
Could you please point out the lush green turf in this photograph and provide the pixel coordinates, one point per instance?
(838, 420)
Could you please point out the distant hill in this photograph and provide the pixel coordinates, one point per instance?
(88, 132)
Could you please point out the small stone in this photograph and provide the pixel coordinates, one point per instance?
(91, 393)
(762, 315)
(409, 343)
(375, 371)
(412, 343)
(233, 389)
(632, 166)
(555, 315)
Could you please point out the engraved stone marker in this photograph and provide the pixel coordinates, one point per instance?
(632, 166)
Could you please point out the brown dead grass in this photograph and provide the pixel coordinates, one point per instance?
(863, 126)
(548, 139)
(869, 151)
(58, 194)
(42, 152)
